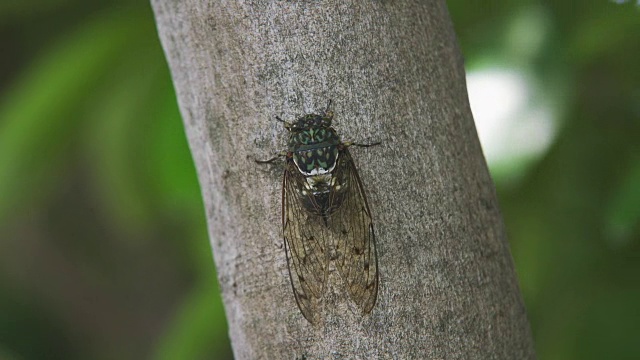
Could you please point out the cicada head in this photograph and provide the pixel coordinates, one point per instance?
(312, 121)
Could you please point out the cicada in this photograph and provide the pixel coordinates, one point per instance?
(325, 215)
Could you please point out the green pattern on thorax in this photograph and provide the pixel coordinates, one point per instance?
(315, 148)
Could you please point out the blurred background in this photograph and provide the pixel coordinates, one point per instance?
(103, 243)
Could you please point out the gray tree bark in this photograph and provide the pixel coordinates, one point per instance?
(448, 289)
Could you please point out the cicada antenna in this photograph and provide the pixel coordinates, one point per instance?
(286, 124)
(328, 114)
(328, 106)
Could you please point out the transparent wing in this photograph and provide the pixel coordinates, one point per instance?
(306, 240)
(355, 245)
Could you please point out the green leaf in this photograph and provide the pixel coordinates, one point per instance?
(115, 144)
(38, 117)
(623, 214)
(199, 330)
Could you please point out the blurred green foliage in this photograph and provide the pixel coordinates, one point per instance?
(573, 218)
(104, 251)
(103, 241)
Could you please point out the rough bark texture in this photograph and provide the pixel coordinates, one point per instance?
(448, 289)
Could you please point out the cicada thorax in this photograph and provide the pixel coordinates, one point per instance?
(315, 151)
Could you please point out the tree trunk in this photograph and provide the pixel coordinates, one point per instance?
(448, 289)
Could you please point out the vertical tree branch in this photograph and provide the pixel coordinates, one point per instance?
(395, 74)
